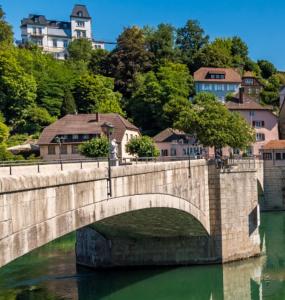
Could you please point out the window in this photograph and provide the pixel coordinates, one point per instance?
(249, 81)
(236, 151)
(260, 137)
(40, 30)
(63, 149)
(216, 76)
(34, 30)
(74, 149)
(206, 87)
(173, 152)
(80, 14)
(252, 113)
(164, 152)
(54, 43)
(75, 136)
(283, 156)
(278, 156)
(51, 149)
(65, 43)
(267, 156)
(80, 24)
(258, 124)
(85, 137)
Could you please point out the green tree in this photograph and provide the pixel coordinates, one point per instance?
(142, 147)
(129, 58)
(68, 105)
(239, 47)
(160, 42)
(6, 33)
(159, 96)
(267, 68)
(80, 49)
(17, 89)
(35, 119)
(4, 133)
(190, 39)
(96, 94)
(97, 147)
(98, 62)
(214, 125)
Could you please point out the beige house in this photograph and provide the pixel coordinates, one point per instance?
(72, 130)
(176, 143)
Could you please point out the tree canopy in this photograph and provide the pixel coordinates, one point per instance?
(142, 147)
(97, 147)
(214, 125)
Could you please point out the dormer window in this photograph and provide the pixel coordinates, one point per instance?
(216, 76)
(249, 81)
(80, 14)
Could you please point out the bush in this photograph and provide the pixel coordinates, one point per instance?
(142, 147)
(97, 147)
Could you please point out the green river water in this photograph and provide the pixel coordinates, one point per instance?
(50, 273)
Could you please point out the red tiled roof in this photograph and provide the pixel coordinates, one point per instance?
(248, 104)
(231, 75)
(275, 145)
(248, 74)
(86, 124)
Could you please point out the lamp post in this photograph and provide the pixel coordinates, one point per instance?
(108, 129)
(58, 140)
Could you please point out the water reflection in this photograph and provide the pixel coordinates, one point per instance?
(50, 273)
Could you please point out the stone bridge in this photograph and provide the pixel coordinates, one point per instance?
(160, 214)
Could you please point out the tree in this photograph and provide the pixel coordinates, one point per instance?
(160, 42)
(68, 105)
(214, 125)
(6, 33)
(80, 49)
(4, 133)
(95, 94)
(129, 58)
(97, 147)
(190, 39)
(217, 55)
(239, 47)
(267, 68)
(35, 119)
(98, 62)
(158, 96)
(17, 89)
(142, 147)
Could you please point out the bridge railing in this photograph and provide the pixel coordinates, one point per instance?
(39, 166)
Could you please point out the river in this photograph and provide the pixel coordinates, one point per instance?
(50, 273)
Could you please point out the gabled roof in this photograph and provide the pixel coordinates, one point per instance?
(248, 74)
(231, 76)
(248, 104)
(34, 19)
(275, 145)
(166, 133)
(86, 124)
(79, 8)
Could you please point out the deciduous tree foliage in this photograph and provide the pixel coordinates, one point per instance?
(68, 105)
(96, 94)
(6, 33)
(97, 147)
(267, 68)
(214, 125)
(80, 49)
(129, 58)
(142, 147)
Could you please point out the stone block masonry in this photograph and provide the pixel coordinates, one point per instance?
(164, 213)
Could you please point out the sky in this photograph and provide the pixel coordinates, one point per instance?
(260, 23)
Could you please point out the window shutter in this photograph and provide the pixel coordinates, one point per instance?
(253, 123)
(263, 123)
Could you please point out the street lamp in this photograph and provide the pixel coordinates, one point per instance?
(108, 129)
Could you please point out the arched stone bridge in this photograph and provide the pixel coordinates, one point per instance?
(160, 213)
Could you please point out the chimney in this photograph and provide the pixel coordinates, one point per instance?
(97, 117)
(241, 95)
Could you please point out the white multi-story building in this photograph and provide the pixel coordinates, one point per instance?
(54, 36)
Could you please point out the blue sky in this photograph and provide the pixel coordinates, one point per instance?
(259, 22)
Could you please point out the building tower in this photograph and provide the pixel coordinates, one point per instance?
(80, 22)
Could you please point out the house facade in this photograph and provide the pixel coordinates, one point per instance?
(54, 36)
(218, 81)
(252, 86)
(175, 143)
(73, 130)
(261, 118)
(274, 153)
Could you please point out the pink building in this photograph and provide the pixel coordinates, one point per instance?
(175, 143)
(262, 119)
